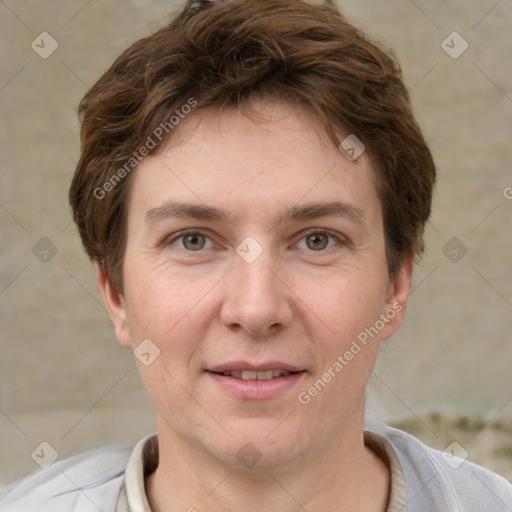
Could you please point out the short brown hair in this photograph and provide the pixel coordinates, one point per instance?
(227, 52)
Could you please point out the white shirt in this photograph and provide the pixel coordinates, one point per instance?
(144, 459)
(112, 480)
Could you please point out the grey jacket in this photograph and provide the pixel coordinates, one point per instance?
(435, 482)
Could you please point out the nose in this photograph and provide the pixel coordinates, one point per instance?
(257, 299)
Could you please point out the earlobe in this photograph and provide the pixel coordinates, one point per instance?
(116, 307)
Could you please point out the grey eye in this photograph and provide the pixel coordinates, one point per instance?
(194, 242)
(317, 241)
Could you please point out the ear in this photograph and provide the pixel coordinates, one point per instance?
(115, 306)
(396, 299)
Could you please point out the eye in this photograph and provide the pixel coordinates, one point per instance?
(193, 241)
(317, 241)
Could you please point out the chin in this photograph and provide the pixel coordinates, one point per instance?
(265, 444)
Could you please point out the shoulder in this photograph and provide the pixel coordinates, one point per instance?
(438, 480)
(88, 481)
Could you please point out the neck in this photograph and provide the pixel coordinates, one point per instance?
(346, 475)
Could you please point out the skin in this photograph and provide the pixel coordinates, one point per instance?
(294, 304)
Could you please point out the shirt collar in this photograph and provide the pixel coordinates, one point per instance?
(144, 460)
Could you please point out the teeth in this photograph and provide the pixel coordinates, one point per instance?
(252, 375)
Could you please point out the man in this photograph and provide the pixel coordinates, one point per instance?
(253, 188)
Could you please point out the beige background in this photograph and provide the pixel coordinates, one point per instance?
(64, 379)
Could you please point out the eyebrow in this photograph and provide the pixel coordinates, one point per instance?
(330, 209)
(297, 213)
(185, 211)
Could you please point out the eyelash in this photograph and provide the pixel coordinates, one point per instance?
(330, 234)
(187, 232)
(340, 240)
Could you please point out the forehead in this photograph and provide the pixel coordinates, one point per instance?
(252, 165)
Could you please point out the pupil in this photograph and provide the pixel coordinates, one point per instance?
(318, 241)
(194, 242)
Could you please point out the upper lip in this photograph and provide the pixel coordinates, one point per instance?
(244, 365)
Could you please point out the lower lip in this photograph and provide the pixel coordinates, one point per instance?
(257, 389)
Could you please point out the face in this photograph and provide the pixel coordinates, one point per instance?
(255, 266)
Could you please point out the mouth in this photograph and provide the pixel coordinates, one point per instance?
(255, 375)
(256, 382)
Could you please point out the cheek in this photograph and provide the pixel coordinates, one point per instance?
(167, 307)
(151, 295)
(345, 311)
(344, 304)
